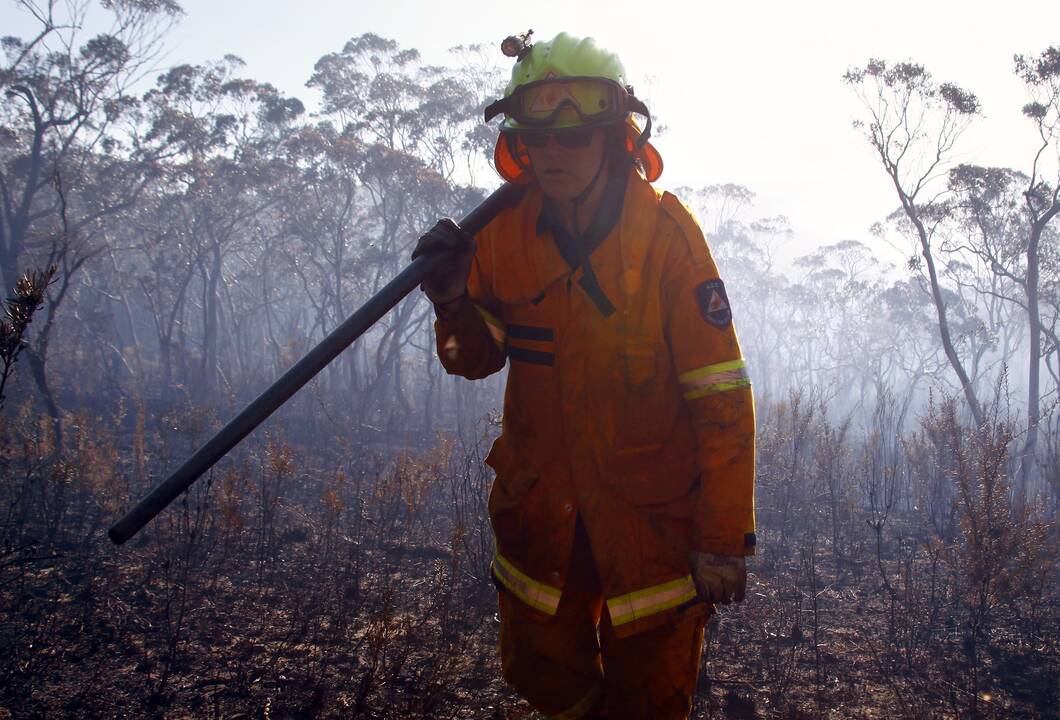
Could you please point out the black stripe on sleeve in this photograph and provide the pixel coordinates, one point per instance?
(530, 332)
(535, 357)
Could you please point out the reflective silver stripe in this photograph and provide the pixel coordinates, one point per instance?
(535, 594)
(494, 324)
(655, 599)
(711, 379)
(583, 707)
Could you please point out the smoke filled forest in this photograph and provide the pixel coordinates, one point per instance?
(172, 240)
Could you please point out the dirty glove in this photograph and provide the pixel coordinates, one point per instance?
(719, 578)
(448, 280)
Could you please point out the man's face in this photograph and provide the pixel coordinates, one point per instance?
(563, 172)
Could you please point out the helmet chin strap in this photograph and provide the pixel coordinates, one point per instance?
(640, 108)
(581, 244)
(581, 197)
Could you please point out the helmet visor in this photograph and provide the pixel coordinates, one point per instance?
(562, 102)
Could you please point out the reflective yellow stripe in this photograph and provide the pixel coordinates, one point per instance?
(583, 707)
(712, 379)
(649, 601)
(537, 595)
(495, 325)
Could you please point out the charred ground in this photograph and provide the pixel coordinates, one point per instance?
(304, 581)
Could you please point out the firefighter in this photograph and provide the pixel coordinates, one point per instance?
(622, 507)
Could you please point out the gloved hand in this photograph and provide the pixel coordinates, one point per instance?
(448, 280)
(719, 578)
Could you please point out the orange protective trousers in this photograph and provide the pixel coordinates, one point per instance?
(572, 665)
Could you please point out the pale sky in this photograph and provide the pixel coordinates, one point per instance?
(749, 92)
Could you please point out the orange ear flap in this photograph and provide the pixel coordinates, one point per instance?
(511, 159)
(648, 156)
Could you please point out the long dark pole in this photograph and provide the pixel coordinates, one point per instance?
(300, 373)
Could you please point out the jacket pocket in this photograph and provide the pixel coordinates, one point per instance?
(645, 477)
(640, 360)
(643, 418)
(507, 501)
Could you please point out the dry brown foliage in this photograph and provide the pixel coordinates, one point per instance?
(895, 578)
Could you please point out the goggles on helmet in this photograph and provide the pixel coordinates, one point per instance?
(566, 102)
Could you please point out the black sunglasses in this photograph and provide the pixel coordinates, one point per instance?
(570, 139)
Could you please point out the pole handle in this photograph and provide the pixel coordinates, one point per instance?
(302, 372)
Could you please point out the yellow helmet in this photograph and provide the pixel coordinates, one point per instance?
(566, 83)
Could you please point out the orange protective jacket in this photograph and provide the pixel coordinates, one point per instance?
(641, 421)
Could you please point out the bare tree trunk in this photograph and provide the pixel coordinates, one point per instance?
(940, 305)
(210, 321)
(40, 377)
(1028, 462)
(38, 351)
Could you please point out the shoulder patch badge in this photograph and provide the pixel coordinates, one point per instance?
(714, 303)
